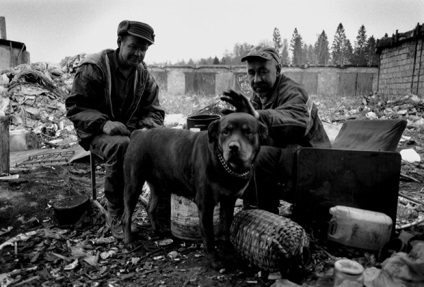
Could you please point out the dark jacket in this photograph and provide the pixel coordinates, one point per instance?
(89, 105)
(291, 117)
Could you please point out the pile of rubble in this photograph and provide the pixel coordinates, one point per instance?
(33, 96)
(374, 106)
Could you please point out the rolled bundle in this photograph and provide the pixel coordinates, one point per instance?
(271, 242)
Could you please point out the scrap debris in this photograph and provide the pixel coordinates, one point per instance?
(33, 96)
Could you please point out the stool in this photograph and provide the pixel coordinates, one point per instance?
(93, 184)
(93, 176)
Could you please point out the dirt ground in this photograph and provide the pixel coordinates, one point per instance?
(85, 254)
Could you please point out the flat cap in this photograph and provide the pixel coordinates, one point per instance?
(266, 53)
(137, 29)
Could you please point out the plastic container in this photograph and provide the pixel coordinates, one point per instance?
(359, 228)
(200, 122)
(185, 219)
(348, 273)
(18, 140)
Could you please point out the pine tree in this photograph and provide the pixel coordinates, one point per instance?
(339, 49)
(265, 43)
(296, 46)
(311, 58)
(276, 38)
(322, 50)
(241, 50)
(215, 61)
(348, 53)
(370, 55)
(285, 59)
(360, 49)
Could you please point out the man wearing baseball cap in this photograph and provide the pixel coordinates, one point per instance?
(113, 93)
(292, 120)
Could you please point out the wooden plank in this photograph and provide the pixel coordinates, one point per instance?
(4, 146)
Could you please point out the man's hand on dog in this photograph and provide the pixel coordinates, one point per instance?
(240, 102)
(115, 128)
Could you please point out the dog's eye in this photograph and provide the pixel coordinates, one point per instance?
(225, 132)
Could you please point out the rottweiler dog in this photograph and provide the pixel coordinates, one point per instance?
(208, 167)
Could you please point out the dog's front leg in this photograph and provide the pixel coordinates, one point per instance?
(226, 216)
(206, 227)
(131, 194)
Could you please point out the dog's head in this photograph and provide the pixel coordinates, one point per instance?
(237, 137)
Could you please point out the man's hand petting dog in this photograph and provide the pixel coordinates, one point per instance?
(208, 167)
(240, 102)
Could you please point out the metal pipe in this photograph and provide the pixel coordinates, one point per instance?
(3, 28)
(416, 31)
(419, 67)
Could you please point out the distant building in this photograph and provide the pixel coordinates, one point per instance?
(12, 53)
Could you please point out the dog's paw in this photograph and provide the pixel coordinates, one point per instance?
(215, 261)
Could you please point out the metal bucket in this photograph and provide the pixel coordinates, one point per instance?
(200, 122)
(70, 209)
(185, 219)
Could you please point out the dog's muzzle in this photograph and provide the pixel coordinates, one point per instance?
(244, 175)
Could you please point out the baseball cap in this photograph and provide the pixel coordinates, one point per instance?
(137, 29)
(266, 53)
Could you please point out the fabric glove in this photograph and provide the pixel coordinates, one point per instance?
(240, 102)
(115, 128)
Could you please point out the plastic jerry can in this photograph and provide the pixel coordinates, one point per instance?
(359, 228)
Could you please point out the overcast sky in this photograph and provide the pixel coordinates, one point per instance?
(55, 29)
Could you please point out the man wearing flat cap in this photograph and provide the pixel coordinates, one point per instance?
(292, 120)
(113, 94)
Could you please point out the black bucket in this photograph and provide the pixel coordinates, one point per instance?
(200, 122)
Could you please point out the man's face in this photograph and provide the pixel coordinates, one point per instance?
(131, 50)
(262, 75)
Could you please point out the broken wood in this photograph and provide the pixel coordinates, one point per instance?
(4, 146)
(411, 199)
(409, 177)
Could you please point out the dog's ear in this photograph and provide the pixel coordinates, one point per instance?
(213, 130)
(263, 133)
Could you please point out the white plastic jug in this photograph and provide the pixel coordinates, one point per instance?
(359, 228)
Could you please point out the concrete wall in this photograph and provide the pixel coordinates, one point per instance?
(401, 69)
(213, 80)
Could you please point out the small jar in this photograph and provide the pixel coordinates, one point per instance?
(348, 273)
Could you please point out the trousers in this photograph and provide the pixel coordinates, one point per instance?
(273, 178)
(111, 150)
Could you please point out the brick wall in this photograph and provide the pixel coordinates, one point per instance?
(401, 68)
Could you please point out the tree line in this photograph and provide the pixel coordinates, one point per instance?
(298, 53)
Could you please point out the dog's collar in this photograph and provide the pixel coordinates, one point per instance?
(243, 175)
